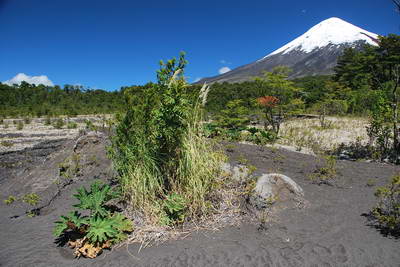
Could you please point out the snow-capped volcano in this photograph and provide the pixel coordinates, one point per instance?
(331, 31)
(313, 53)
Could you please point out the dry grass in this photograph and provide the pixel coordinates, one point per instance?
(228, 211)
(307, 133)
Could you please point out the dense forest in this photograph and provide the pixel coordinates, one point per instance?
(361, 80)
(39, 100)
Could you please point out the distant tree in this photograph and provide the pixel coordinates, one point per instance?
(376, 69)
(275, 85)
(234, 116)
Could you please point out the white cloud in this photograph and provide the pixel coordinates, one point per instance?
(223, 61)
(22, 77)
(224, 70)
(304, 11)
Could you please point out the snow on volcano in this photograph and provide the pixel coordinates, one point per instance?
(330, 31)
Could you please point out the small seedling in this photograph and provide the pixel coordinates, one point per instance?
(31, 199)
(31, 214)
(242, 160)
(9, 200)
(72, 125)
(251, 168)
(326, 173)
(371, 182)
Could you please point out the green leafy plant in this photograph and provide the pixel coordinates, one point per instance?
(72, 125)
(9, 200)
(31, 199)
(101, 228)
(326, 173)
(174, 207)
(387, 211)
(70, 167)
(159, 146)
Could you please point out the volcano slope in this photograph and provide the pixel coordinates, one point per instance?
(330, 231)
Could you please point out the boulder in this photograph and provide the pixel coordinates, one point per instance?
(274, 187)
(238, 173)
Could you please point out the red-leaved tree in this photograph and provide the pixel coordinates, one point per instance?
(270, 105)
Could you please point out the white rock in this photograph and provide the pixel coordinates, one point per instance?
(275, 187)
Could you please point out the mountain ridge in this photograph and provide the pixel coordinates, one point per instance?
(313, 53)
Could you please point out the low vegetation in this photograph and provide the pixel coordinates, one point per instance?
(326, 171)
(387, 211)
(100, 229)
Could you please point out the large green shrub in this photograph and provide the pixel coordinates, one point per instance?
(159, 146)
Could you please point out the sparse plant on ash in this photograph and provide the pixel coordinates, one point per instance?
(326, 173)
(101, 229)
(387, 211)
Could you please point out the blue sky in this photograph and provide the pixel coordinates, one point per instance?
(109, 44)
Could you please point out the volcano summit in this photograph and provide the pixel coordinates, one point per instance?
(313, 53)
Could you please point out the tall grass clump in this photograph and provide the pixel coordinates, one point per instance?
(159, 148)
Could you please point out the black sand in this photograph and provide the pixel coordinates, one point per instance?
(331, 231)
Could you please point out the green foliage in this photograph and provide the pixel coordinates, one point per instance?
(101, 229)
(27, 99)
(70, 167)
(278, 97)
(95, 199)
(375, 73)
(387, 211)
(31, 199)
(90, 126)
(9, 200)
(174, 207)
(72, 125)
(326, 173)
(234, 116)
(101, 225)
(59, 123)
(379, 129)
(159, 145)
(249, 134)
